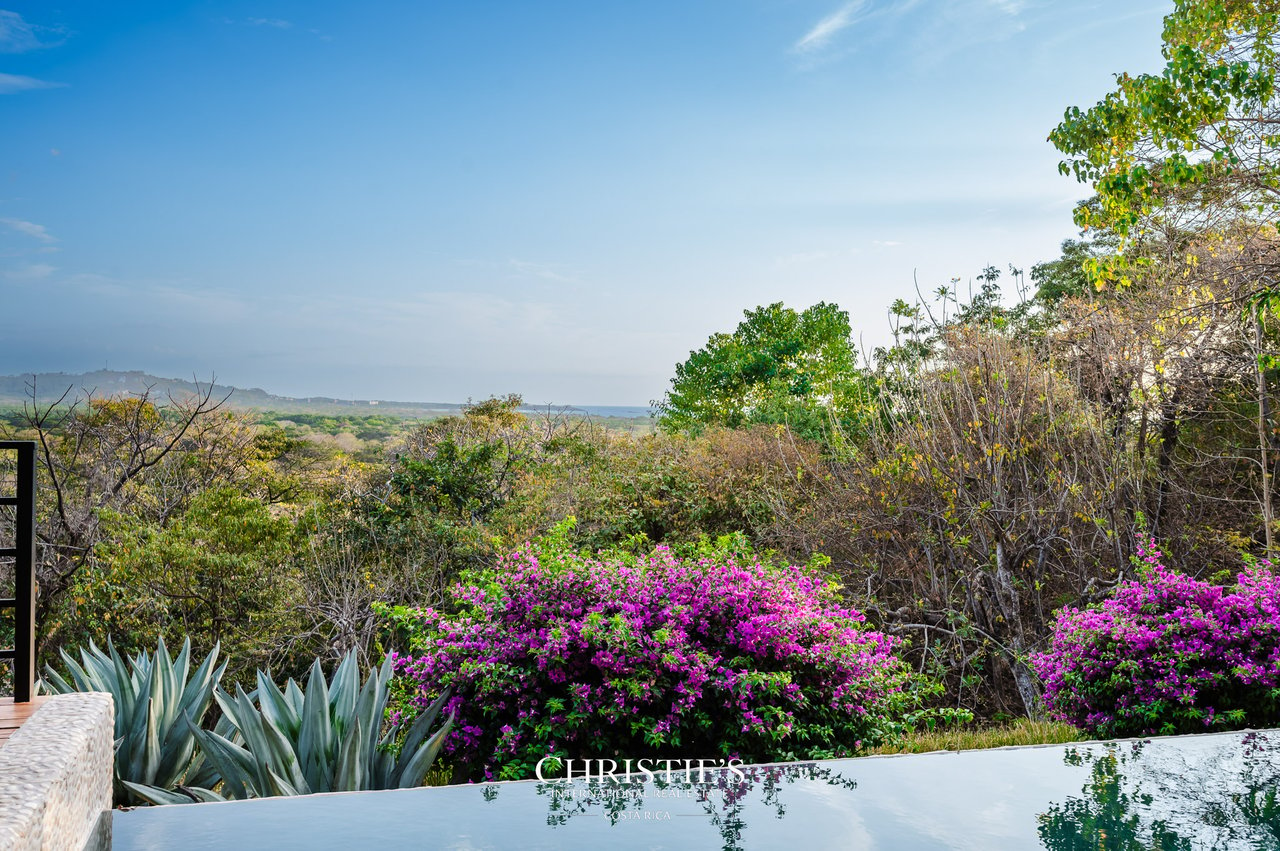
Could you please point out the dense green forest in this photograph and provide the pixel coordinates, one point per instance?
(989, 467)
(993, 464)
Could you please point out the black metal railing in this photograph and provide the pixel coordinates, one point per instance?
(23, 552)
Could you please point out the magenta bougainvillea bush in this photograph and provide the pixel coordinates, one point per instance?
(1168, 654)
(554, 654)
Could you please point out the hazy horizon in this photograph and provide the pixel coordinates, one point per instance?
(49, 388)
(408, 201)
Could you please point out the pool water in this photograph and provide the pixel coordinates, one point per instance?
(1186, 793)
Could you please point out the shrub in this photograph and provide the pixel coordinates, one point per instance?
(555, 654)
(1168, 654)
(330, 736)
(673, 488)
(157, 700)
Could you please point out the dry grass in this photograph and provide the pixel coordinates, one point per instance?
(1022, 732)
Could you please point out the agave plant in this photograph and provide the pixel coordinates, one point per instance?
(156, 708)
(328, 738)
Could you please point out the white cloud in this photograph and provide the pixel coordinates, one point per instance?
(30, 272)
(18, 36)
(91, 283)
(467, 313)
(822, 32)
(185, 299)
(1095, 20)
(30, 229)
(542, 270)
(1009, 7)
(929, 29)
(11, 83)
(278, 23)
(961, 25)
(173, 298)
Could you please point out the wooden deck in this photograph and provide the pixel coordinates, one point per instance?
(12, 715)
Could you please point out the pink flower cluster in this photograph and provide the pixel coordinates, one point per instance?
(554, 654)
(1168, 654)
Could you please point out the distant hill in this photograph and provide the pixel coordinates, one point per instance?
(14, 390)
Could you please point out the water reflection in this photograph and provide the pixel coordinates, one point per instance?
(1195, 793)
(1107, 816)
(1182, 794)
(1162, 796)
(722, 797)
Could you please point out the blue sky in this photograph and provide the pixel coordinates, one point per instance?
(436, 201)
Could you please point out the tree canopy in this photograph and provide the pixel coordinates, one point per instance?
(778, 366)
(1193, 149)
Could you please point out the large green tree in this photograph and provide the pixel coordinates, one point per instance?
(778, 366)
(1193, 150)
(220, 573)
(1186, 167)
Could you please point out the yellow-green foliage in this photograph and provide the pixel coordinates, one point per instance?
(1020, 732)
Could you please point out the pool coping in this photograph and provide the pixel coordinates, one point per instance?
(56, 775)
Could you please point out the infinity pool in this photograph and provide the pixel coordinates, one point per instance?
(1187, 793)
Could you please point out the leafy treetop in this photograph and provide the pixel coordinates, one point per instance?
(779, 365)
(1191, 145)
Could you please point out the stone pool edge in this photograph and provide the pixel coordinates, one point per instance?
(55, 777)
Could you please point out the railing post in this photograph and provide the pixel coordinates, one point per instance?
(24, 662)
(23, 553)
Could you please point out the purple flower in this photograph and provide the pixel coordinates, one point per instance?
(553, 653)
(1168, 653)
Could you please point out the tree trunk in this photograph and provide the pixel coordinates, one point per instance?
(1164, 460)
(1025, 679)
(1009, 603)
(1264, 437)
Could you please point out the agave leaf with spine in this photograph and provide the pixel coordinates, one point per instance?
(180, 795)
(324, 738)
(155, 699)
